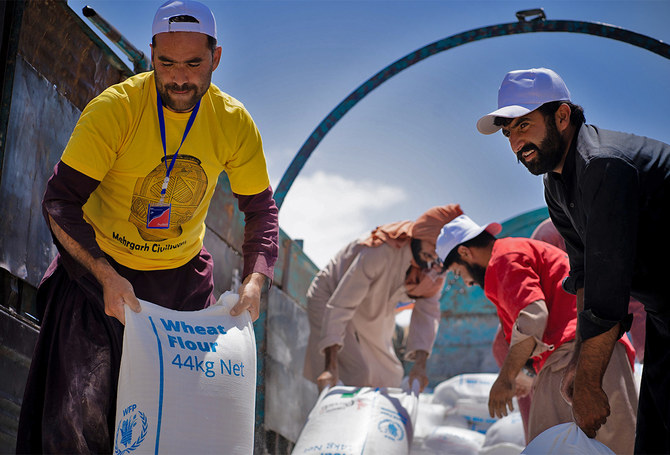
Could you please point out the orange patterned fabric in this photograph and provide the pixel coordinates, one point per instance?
(428, 226)
(419, 282)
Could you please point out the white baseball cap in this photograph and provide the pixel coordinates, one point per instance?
(164, 18)
(523, 91)
(459, 230)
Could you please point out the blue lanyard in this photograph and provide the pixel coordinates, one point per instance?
(161, 122)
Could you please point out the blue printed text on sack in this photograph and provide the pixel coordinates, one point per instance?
(181, 326)
(227, 367)
(232, 369)
(204, 346)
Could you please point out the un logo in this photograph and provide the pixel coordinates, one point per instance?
(131, 431)
(391, 430)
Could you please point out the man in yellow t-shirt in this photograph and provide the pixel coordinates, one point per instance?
(127, 205)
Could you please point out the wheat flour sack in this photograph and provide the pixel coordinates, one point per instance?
(187, 382)
(359, 421)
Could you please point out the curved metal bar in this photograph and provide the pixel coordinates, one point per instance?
(140, 61)
(589, 28)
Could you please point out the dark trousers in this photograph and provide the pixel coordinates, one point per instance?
(69, 404)
(653, 414)
(70, 398)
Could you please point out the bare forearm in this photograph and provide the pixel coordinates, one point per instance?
(420, 357)
(117, 291)
(594, 356)
(330, 376)
(66, 193)
(516, 358)
(250, 295)
(504, 388)
(418, 371)
(99, 267)
(256, 279)
(590, 404)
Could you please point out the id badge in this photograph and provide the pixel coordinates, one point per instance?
(158, 216)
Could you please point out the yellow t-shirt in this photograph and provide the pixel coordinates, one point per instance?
(117, 141)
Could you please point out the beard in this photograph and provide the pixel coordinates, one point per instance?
(548, 155)
(477, 273)
(423, 265)
(415, 246)
(181, 104)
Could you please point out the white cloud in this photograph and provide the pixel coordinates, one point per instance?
(328, 211)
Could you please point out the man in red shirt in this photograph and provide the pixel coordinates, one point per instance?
(522, 278)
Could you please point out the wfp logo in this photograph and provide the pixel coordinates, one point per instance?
(131, 431)
(391, 430)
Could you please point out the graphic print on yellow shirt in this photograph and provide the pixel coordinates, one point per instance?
(185, 192)
(117, 142)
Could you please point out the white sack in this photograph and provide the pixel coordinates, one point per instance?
(187, 382)
(454, 441)
(475, 413)
(457, 421)
(429, 416)
(503, 448)
(475, 386)
(359, 420)
(565, 439)
(508, 429)
(467, 397)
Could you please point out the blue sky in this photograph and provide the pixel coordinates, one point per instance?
(412, 143)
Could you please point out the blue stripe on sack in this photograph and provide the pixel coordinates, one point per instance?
(161, 381)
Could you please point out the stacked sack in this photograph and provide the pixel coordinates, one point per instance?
(455, 419)
(360, 420)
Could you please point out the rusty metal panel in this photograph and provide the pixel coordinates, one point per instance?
(302, 271)
(64, 50)
(282, 259)
(226, 260)
(60, 67)
(290, 396)
(10, 17)
(40, 123)
(17, 341)
(294, 270)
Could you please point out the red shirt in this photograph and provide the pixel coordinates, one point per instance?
(522, 271)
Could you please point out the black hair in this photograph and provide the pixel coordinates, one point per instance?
(415, 245)
(482, 240)
(577, 117)
(211, 41)
(502, 121)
